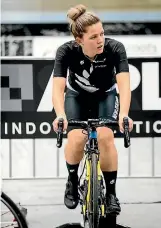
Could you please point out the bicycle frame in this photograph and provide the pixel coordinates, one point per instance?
(92, 147)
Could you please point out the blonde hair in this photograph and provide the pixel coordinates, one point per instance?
(80, 19)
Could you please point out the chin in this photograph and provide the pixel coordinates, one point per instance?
(100, 51)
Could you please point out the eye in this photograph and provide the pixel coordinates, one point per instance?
(102, 33)
(93, 37)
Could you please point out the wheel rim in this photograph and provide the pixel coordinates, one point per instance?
(11, 216)
(9, 220)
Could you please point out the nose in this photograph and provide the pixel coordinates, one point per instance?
(99, 40)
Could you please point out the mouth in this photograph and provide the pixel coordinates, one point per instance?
(100, 47)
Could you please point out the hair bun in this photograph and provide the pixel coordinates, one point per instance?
(76, 12)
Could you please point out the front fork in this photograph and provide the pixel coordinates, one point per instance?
(100, 190)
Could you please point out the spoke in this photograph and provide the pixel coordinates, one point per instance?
(8, 225)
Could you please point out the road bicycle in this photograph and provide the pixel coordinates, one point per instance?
(12, 215)
(92, 188)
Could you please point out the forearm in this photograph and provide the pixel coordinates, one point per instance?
(125, 100)
(58, 101)
(123, 81)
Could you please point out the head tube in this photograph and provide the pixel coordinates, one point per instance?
(93, 135)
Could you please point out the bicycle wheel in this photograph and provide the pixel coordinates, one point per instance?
(20, 221)
(94, 207)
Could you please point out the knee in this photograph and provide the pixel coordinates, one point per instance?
(77, 139)
(105, 136)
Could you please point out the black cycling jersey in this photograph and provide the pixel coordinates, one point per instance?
(87, 75)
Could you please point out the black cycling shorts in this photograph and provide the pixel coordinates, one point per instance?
(91, 105)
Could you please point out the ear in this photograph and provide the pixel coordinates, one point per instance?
(79, 41)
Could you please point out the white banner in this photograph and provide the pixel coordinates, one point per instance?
(16, 46)
(46, 46)
(136, 46)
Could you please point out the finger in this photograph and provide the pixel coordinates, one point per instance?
(121, 128)
(55, 129)
(65, 126)
(55, 126)
(130, 126)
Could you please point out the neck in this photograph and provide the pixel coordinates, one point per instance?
(88, 55)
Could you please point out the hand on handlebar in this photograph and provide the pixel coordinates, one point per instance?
(58, 126)
(56, 121)
(121, 123)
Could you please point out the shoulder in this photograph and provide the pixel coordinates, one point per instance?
(67, 47)
(113, 45)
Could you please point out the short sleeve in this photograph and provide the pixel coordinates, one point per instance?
(61, 62)
(121, 61)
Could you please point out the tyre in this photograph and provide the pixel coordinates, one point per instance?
(20, 219)
(94, 206)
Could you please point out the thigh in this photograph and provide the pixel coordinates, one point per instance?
(75, 108)
(109, 106)
(72, 106)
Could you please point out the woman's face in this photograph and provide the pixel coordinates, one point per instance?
(93, 40)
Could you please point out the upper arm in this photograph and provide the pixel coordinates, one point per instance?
(61, 62)
(121, 61)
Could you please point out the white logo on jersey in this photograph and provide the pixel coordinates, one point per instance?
(84, 80)
(82, 62)
(99, 61)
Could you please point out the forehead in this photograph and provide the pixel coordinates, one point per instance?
(94, 29)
